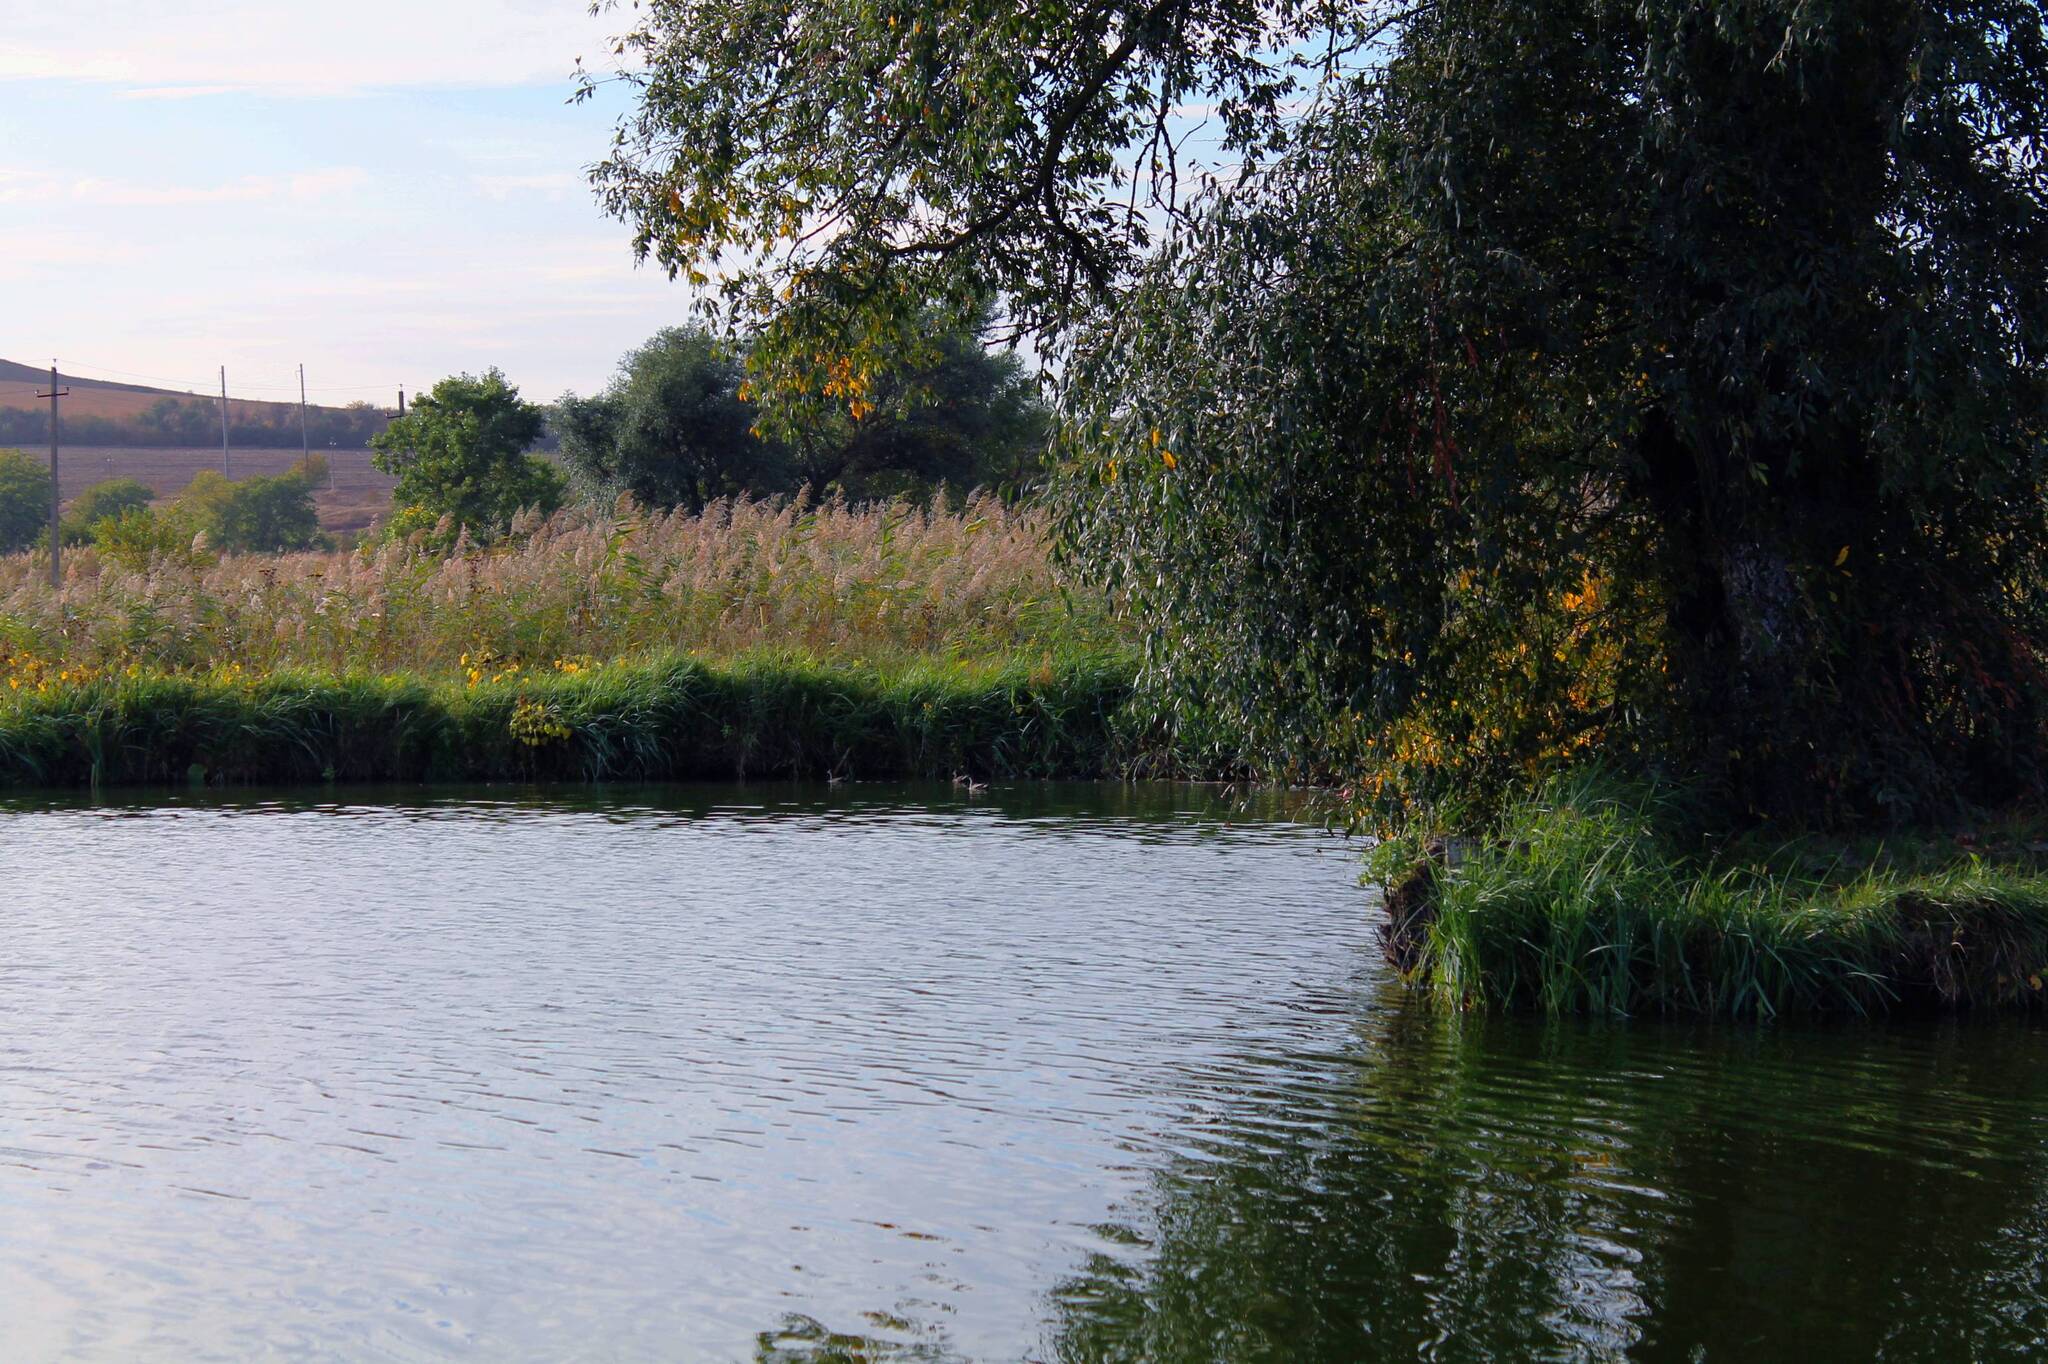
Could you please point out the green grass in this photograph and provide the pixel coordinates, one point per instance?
(758, 715)
(1597, 898)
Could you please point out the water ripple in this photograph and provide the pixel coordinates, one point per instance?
(1074, 1074)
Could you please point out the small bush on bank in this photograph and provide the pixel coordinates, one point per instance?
(1593, 896)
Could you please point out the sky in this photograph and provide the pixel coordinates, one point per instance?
(387, 192)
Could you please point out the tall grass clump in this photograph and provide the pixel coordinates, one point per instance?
(893, 581)
(1598, 897)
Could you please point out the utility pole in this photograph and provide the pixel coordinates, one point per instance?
(306, 445)
(56, 489)
(227, 470)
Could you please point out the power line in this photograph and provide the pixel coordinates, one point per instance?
(129, 374)
(195, 385)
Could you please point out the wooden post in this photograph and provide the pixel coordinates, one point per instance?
(56, 487)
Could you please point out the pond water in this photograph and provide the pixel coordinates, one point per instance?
(888, 1073)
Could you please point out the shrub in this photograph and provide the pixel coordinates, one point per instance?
(144, 535)
(257, 514)
(101, 502)
(24, 500)
(460, 456)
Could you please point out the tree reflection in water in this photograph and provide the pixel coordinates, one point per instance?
(1510, 1189)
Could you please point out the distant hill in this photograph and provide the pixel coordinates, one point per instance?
(102, 412)
(12, 374)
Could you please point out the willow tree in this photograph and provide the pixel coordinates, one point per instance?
(1524, 378)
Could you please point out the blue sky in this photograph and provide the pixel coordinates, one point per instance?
(389, 192)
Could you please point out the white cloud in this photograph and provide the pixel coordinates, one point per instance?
(25, 61)
(178, 91)
(192, 48)
(305, 186)
(123, 194)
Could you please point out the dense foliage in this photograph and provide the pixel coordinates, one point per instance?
(105, 501)
(877, 160)
(462, 463)
(1672, 382)
(1659, 378)
(947, 410)
(672, 429)
(677, 428)
(264, 514)
(24, 500)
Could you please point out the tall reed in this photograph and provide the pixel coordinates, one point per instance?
(895, 581)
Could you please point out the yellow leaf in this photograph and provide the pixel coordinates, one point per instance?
(1171, 462)
(1843, 557)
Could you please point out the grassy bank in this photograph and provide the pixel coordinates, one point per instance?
(1597, 898)
(756, 639)
(669, 718)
